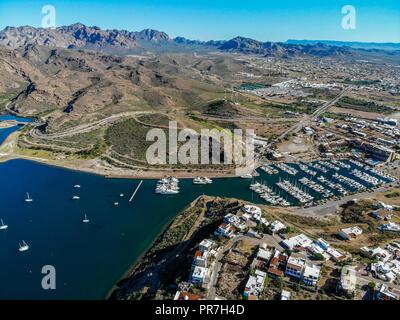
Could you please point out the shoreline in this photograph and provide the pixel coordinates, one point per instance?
(93, 166)
(114, 174)
(127, 275)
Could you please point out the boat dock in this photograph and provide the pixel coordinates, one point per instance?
(136, 190)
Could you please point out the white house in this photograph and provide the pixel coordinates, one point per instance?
(350, 233)
(300, 240)
(206, 245)
(225, 230)
(348, 279)
(285, 295)
(251, 209)
(391, 226)
(386, 293)
(295, 267)
(335, 254)
(311, 274)
(255, 284)
(276, 226)
(198, 275)
(200, 258)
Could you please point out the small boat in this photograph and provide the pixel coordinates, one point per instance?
(247, 176)
(3, 226)
(86, 220)
(75, 198)
(77, 186)
(121, 195)
(23, 247)
(28, 198)
(116, 203)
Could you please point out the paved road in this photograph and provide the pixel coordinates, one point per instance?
(331, 206)
(86, 127)
(306, 119)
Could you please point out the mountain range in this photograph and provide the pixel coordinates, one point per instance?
(79, 36)
(350, 44)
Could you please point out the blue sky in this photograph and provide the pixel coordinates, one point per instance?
(274, 20)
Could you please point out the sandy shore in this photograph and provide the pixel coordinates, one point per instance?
(9, 151)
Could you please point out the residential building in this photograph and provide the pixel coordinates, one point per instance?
(252, 209)
(225, 230)
(184, 295)
(379, 253)
(390, 226)
(350, 233)
(262, 260)
(387, 293)
(255, 285)
(198, 275)
(381, 214)
(336, 255)
(285, 295)
(311, 274)
(295, 267)
(323, 244)
(206, 245)
(348, 280)
(300, 240)
(200, 258)
(235, 221)
(277, 264)
(277, 226)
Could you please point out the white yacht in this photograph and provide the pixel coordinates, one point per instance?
(3, 226)
(77, 186)
(199, 180)
(75, 198)
(121, 195)
(28, 198)
(116, 203)
(23, 246)
(208, 180)
(86, 220)
(247, 176)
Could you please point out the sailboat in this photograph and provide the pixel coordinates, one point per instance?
(23, 247)
(3, 226)
(85, 220)
(28, 198)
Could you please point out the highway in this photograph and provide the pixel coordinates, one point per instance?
(35, 133)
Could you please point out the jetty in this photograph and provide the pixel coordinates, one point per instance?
(136, 190)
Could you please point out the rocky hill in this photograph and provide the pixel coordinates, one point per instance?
(79, 36)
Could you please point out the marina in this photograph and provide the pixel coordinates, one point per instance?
(168, 185)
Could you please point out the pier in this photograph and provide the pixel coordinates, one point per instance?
(136, 190)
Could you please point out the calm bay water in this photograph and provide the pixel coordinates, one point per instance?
(4, 133)
(89, 258)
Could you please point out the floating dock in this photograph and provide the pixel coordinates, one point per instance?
(136, 190)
